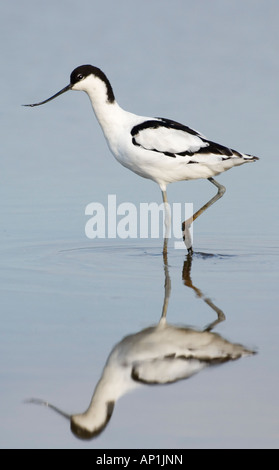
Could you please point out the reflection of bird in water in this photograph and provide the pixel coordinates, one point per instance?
(160, 354)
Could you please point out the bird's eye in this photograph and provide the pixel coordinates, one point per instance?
(80, 76)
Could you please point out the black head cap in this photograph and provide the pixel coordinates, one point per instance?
(84, 434)
(83, 71)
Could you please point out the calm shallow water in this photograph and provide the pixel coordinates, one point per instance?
(67, 306)
(67, 301)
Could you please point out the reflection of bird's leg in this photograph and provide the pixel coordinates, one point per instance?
(187, 224)
(186, 276)
(167, 288)
(167, 221)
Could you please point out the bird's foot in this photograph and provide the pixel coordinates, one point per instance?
(190, 251)
(187, 236)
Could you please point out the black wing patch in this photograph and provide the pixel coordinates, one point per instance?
(210, 147)
(168, 123)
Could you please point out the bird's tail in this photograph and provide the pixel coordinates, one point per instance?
(250, 158)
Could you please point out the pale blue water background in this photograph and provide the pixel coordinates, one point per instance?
(66, 300)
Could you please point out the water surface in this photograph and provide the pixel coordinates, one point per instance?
(67, 301)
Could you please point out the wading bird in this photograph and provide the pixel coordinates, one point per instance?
(159, 149)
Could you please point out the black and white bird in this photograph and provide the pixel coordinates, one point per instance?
(157, 355)
(159, 149)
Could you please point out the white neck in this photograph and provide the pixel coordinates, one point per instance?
(109, 114)
(115, 382)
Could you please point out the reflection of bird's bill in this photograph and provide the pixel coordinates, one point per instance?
(38, 401)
